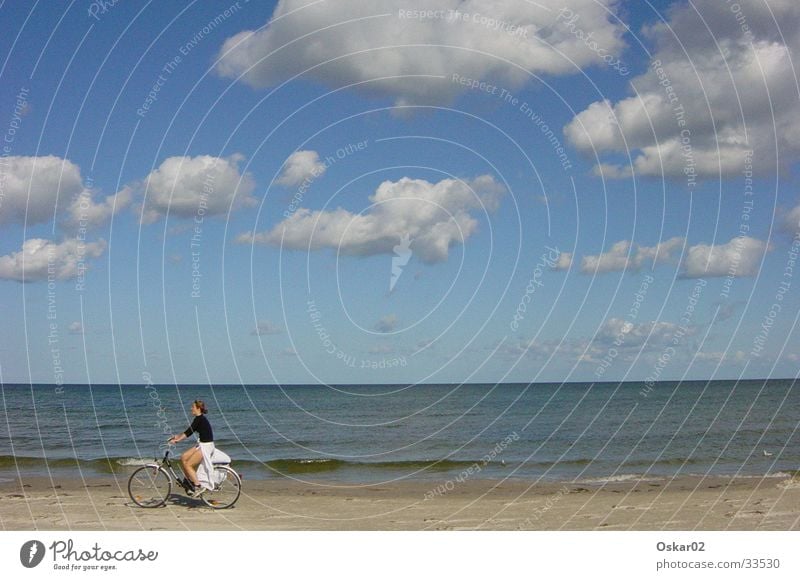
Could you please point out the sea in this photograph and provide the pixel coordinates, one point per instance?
(368, 434)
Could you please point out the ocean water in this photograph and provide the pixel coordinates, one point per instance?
(378, 433)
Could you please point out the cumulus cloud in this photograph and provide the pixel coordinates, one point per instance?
(379, 43)
(301, 165)
(192, 186)
(264, 327)
(564, 261)
(39, 259)
(625, 255)
(387, 324)
(739, 257)
(86, 211)
(791, 221)
(721, 83)
(36, 185)
(43, 189)
(51, 188)
(435, 215)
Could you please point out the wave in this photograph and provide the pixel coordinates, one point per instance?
(103, 464)
(619, 478)
(321, 465)
(563, 463)
(280, 466)
(667, 461)
(318, 465)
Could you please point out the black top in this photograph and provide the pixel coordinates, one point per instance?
(202, 427)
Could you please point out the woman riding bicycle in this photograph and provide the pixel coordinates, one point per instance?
(193, 457)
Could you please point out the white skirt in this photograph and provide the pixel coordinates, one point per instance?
(205, 470)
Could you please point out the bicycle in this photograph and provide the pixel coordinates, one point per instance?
(150, 485)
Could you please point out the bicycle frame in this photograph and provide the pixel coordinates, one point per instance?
(167, 465)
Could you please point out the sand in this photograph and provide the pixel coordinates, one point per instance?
(685, 503)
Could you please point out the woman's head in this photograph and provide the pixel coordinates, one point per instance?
(200, 407)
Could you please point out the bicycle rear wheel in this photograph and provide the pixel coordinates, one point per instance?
(227, 491)
(149, 486)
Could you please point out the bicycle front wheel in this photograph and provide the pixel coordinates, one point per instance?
(227, 491)
(149, 486)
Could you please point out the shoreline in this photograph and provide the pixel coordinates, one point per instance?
(682, 503)
(337, 472)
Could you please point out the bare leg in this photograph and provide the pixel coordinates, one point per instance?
(190, 459)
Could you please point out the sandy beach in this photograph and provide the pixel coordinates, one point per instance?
(680, 504)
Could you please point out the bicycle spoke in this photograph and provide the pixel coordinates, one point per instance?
(149, 486)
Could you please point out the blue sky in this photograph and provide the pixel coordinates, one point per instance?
(221, 193)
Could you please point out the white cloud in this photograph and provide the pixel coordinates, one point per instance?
(540, 350)
(52, 188)
(86, 212)
(435, 216)
(616, 259)
(564, 261)
(714, 357)
(192, 186)
(75, 328)
(376, 43)
(39, 259)
(726, 310)
(630, 335)
(301, 165)
(387, 324)
(630, 340)
(624, 255)
(381, 348)
(608, 171)
(732, 85)
(264, 327)
(38, 184)
(661, 252)
(735, 356)
(739, 257)
(791, 221)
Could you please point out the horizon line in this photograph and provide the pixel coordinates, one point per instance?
(38, 384)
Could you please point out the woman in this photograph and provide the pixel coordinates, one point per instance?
(194, 456)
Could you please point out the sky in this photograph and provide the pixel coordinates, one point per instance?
(399, 191)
